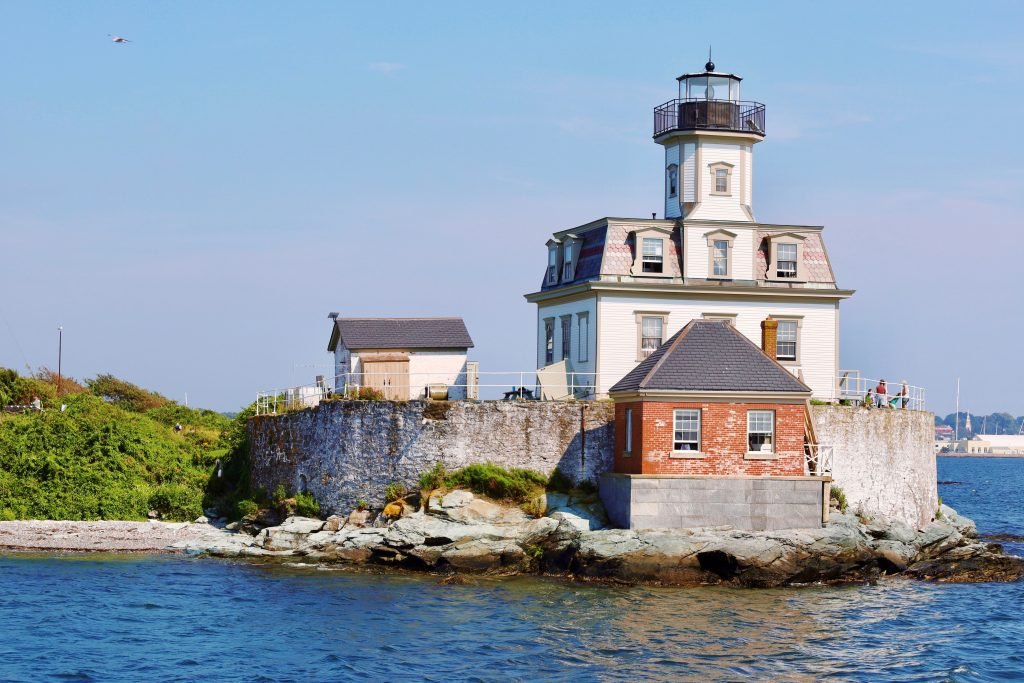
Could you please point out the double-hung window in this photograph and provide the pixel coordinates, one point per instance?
(653, 255)
(722, 180)
(552, 265)
(786, 260)
(583, 352)
(720, 258)
(549, 342)
(686, 430)
(566, 336)
(567, 274)
(786, 339)
(760, 431)
(673, 180)
(651, 334)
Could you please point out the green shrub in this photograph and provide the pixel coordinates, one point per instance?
(176, 501)
(125, 394)
(837, 494)
(361, 504)
(280, 494)
(515, 484)
(558, 482)
(369, 394)
(395, 491)
(306, 505)
(244, 508)
(434, 478)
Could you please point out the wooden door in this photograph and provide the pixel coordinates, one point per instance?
(390, 377)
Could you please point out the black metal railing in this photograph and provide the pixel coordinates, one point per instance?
(741, 117)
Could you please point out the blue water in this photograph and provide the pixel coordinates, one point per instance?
(111, 618)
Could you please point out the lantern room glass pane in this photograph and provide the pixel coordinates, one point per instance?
(718, 88)
(696, 87)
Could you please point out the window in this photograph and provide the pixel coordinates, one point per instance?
(653, 254)
(785, 340)
(721, 178)
(786, 266)
(629, 432)
(673, 180)
(760, 431)
(566, 336)
(552, 265)
(686, 432)
(651, 330)
(727, 318)
(583, 353)
(567, 273)
(720, 259)
(549, 341)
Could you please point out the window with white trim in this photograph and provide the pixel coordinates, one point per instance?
(686, 430)
(652, 328)
(720, 258)
(673, 179)
(629, 432)
(552, 265)
(566, 336)
(567, 250)
(653, 255)
(583, 321)
(549, 341)
(761, 431)
(786, 340)
(786, 262)
(722, 180)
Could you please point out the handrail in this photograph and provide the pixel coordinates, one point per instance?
(700, 114)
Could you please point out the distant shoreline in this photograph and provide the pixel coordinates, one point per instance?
(980, 455)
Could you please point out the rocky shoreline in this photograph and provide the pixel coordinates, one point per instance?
(466, 534)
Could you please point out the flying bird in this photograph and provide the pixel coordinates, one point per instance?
(118, 39)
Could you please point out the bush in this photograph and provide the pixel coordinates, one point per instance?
(395, 491)
(369, 394)
(515, 484)
(280, 494)
(176, 501)
(125, 394)
(434, 478)
(244, 508)
(839, 497)
(361, 505)
(306, 505)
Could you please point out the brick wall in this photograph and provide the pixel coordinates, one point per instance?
(723, 440)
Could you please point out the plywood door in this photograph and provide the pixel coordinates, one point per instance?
(389, 377)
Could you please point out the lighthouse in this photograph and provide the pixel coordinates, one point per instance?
(709, 133)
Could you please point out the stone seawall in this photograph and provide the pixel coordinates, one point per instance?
(343, 451)
(884, 459)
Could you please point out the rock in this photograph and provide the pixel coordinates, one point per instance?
(302, 525)
(964, 525)
(479, 511)
(153, 514)
(484, 555)
(900, 532)
(894, 555)
(358, 518)
(577, 520)
(393, 509)
(261, 519)
(232, 526)
(975, 569)
(333, 523)
(934, 533)
(453, 499)
(202, 520)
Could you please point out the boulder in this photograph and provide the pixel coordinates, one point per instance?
(964, 525)
(900, 532)
(484, 555)
(202, 520)
(894, 555)
(479, 511)
(358, 518)
(333, 523)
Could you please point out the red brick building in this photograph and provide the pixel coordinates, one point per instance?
(710, 402)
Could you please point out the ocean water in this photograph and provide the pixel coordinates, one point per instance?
(124, 618)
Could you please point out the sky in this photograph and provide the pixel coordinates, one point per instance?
(190, 206)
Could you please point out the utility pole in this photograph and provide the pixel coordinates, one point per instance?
(60, 353)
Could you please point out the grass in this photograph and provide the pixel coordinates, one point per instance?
(839, 496)
(514, 485)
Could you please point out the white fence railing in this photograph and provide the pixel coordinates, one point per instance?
(818, 459)
(850, 387)
(524, 385)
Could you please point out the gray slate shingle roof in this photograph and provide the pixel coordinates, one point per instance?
(710, 355)
(400, 333)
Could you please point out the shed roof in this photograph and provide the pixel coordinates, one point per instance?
(713, 356)
(400, 333)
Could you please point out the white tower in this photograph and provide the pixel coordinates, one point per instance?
(709, 133)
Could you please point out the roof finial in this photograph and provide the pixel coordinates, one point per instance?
(710, 66)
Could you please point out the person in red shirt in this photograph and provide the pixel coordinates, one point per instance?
(880, 394)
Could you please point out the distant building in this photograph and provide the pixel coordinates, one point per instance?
(996, 444)
(615, 289)
(404, 358)
(973, 446)
(944, 433)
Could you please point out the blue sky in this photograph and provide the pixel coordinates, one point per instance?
(191, 205)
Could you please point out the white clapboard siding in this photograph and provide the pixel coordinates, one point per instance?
(618, 347)
(748, 176)
(573, 308)
(672, 202)
(719, 207)
(698, 256)
(686, 172)
(437, 367)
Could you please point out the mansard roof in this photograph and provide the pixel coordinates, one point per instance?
(400, 333)
(710, 356)
(608, 251)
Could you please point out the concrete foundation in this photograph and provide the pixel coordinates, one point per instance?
(636, 501)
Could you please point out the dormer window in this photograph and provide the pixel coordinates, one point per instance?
(567, 253)
(786, 265)
(721, 178)
(672, 177)
(552, 264)
(720, 254)
(653, 255)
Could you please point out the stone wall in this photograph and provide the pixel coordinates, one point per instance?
(637, 501)
(884, 459)
(342, 451)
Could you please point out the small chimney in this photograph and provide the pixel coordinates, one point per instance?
(769, 335)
